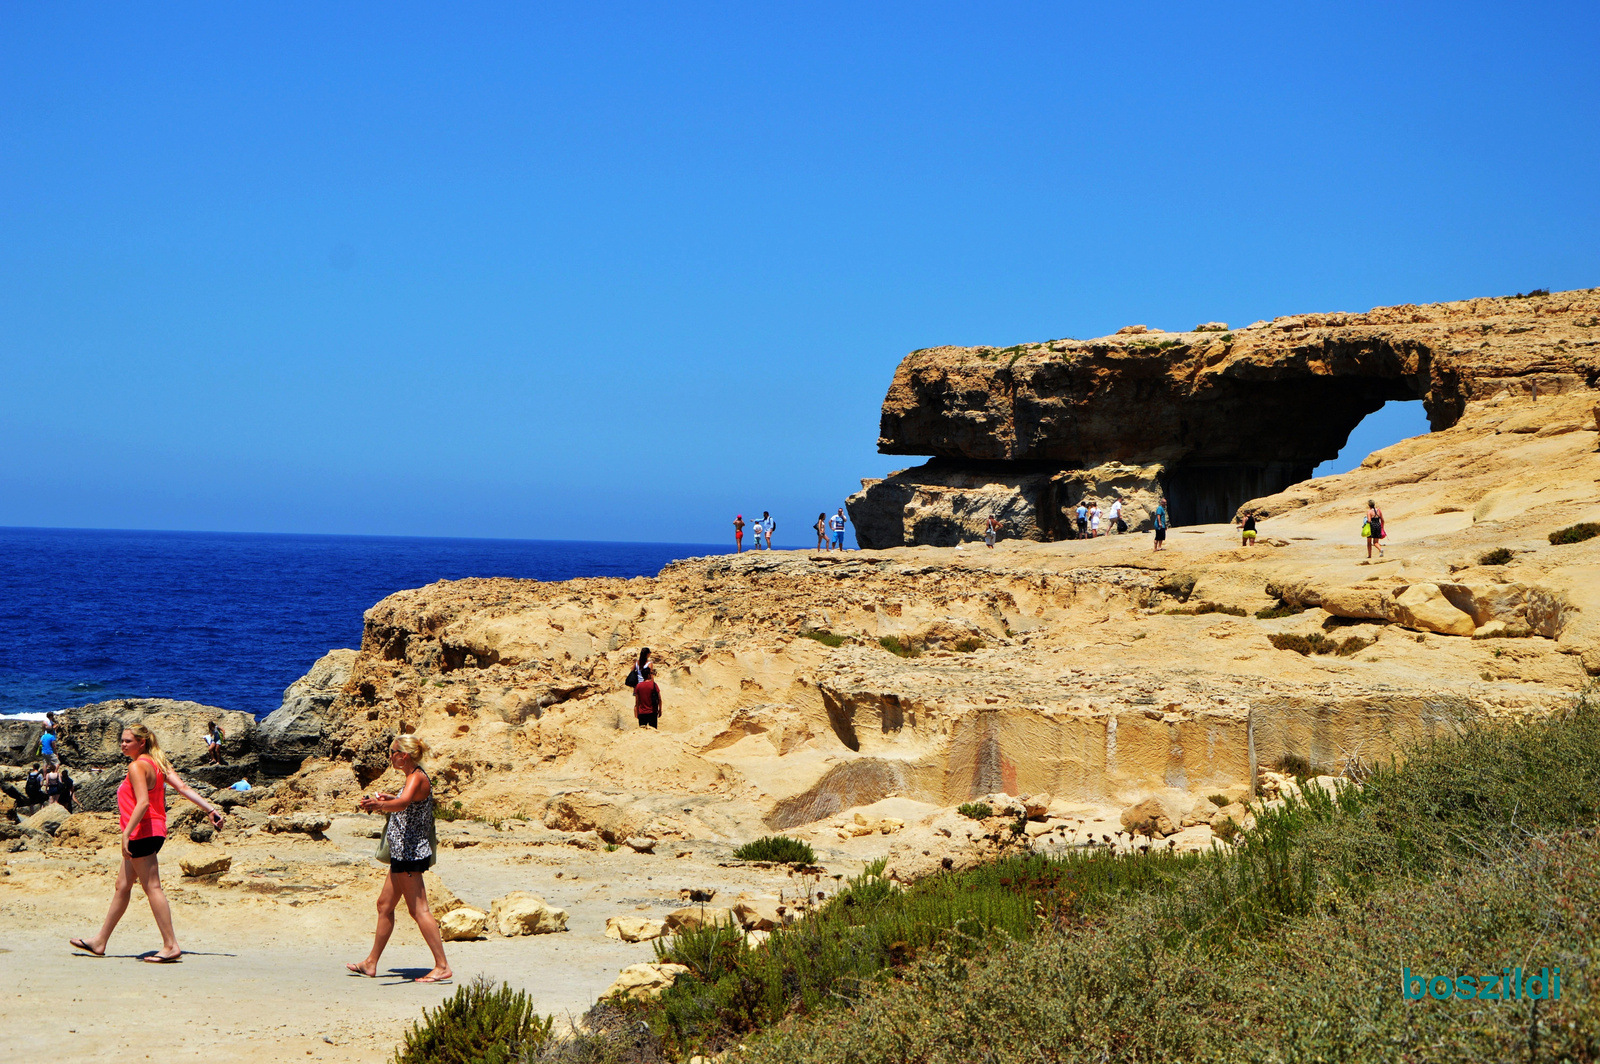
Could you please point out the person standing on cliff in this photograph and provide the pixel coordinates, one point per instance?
(769, 525)
(836, 526)
(1159, 519)
(1083, 519)
(738, 534)
(1374, 529)
(822, 532)
(47, 748)
(1117, 523)
(647, 699)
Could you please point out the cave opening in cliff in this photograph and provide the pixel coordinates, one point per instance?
(1262, 437)
(1396, 420)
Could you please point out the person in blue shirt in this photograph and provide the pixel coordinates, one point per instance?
(1083, 519)
(47, 748)
(1159, 519)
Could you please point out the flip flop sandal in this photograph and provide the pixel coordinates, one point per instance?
(78, 943)
(156, 958)
(446, 981)
(355, 969)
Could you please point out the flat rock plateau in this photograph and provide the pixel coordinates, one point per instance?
(852, 699)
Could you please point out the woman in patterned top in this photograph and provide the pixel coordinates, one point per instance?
(410, 854)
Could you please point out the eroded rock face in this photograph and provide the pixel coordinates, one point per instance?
(299, 728)
(1232, 416)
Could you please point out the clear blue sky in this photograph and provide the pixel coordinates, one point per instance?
(618, 272)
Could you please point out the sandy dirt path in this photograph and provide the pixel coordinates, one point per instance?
(263, 974)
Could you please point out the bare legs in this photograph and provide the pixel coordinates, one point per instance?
(407, 886)
(147, 871)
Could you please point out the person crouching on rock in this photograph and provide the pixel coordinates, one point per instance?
(408, 843)
(647, 699)
(142, 809)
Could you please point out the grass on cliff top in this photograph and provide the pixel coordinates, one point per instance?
(1575, 533)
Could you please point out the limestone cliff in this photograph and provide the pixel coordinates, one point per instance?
(797, 685)
(1218, 416)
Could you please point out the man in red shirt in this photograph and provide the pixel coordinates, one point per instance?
(647, 699)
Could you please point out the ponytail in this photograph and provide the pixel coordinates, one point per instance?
(151, 746)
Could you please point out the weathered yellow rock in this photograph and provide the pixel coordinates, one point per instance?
(634, 928)
(462, 924)
(525, 913)
(204, 864)
(694, 917)
(1425, 607)
(644, 981)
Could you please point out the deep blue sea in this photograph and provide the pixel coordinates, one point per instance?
(226, 619)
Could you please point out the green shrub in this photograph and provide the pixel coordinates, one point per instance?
(1282, 609)
(893, 645)
(1575, 533)
(975, 810)
(826, 638)
(481, 1024)
(1218, 800)
(968, 644)
(1203, 608)
(779, 848)
(453, 811)
(1498, 556)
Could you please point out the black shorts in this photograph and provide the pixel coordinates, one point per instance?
(650, 720)
(146, 847)
(409, 866)
(1161, 534)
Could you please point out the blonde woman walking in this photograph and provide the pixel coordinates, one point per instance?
(409, 840)
(142, 811)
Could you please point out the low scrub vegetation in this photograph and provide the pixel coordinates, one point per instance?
(480, 1024)
(1498, 556)
(1575, 533)
(826, 638)
(1317, 643)
(1202, 608)
(975, 810)
(779, 848)
(894, 646)
(1282, 609)
(1478, 853)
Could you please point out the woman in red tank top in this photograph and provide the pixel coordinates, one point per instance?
(142, 811)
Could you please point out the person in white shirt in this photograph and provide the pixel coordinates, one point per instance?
(1094, 520)
(1116, 516)
(770, 525)
(836, 526)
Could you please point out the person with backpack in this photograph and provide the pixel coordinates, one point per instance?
(647, 699)
(639, 668)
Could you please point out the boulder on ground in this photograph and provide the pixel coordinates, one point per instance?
(644, 981)
(462, 924)
(641, 844)
(1424, 607)
(205, 864)
(89, 829)
(634, 928)
(614, 818)
(695, 917)
(48, 819)
(1037, 806)
(761, 913)
(524, 913)
(313, 824)
(1149, 817)
(1196, 839)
